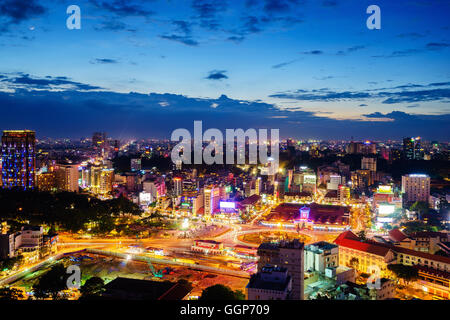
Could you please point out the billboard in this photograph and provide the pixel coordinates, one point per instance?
(386, 209)
(227, 205)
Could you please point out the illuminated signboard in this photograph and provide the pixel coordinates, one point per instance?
(227, 205)
(185, 204)
(384, 189)
(309, 179)
(228, 189)
(145, 197)
(384, 220)
(386, 209)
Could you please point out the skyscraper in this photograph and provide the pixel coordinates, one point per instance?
(411, 148)
(18, 159)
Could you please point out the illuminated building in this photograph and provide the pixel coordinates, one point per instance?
(362, 256)
(369, 164)
(343, 193)
(67, 176)
(211, 196)
(362, 178)
(258, 186)
(416, 187)
(208, 247)
(46, 181)
(289, 255)
(106, 181)
(156, 187)
(271, 283)
(18, 159)
(177, 186)
(99, 139)
(411, 148)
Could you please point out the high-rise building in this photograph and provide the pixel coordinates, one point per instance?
(289, 255)
(106, 181)
(211, 196)
(369, 164)
(177, 186)
(411, 148)
(99, 139)
(67, 177)
(18, 159)
(416, 187)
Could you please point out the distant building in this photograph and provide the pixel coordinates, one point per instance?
(411, 148)
(18, 159)
(136, 164)
(369, 164)
(271, 283)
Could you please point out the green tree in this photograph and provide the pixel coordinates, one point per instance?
(362, 235)
(406, 273)
(220, 292)
(93, 286)
(51, 283)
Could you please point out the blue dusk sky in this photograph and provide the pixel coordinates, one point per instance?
(311, 68)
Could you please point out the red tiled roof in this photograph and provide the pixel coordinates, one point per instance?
(363, 246)
(350, 240)
(347, 235)
(397, 235)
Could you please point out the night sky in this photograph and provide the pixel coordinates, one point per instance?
(308, 67)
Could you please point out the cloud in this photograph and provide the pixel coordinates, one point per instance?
(209, 8)
(25, 81)
(104, 61)
(123, 8)
(284, 64)
(126, 115)
(392, 95)
(437, 45)
(20, 10)
(313, 52)
(187, 40)
(217, 75)
(113, 25)
(363, 105)
(183, 26)
(413, 35)
(325, 95)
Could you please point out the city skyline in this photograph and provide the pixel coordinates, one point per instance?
(313, 70)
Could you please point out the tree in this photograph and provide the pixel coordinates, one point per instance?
(420, 207)
(354, 263)
(220, 292)
(362, 235)
(94, 286)
(406, 273)
(51, 283)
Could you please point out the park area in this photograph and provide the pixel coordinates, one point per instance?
(271, 236)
